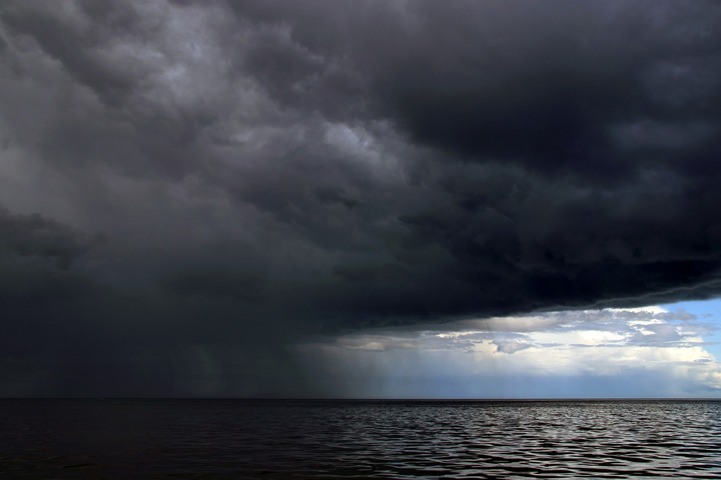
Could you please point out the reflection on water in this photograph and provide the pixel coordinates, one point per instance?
(327, 439)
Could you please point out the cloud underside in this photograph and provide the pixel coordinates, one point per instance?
(240, 173)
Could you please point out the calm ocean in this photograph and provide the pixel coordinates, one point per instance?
(235, 439)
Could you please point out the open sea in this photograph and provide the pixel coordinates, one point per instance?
(236, 439)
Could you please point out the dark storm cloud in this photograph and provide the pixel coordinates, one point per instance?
(262, 169)
(549, 86)
(543, 85)
(35, 236)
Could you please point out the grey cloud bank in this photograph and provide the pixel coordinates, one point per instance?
(189, 187)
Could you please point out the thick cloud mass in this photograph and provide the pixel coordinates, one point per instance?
(221, 177)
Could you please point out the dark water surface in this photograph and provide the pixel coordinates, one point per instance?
(354, 439)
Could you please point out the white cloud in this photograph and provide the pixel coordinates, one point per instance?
(619, 346)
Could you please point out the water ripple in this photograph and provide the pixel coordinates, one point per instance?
(303, 440)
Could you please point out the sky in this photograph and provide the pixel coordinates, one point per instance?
(360, 198)
(657, 352)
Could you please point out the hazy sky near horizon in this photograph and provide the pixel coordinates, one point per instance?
(229, 197)
(659, 352)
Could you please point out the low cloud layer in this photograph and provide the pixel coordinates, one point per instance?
(592, 353)
(208, 176)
